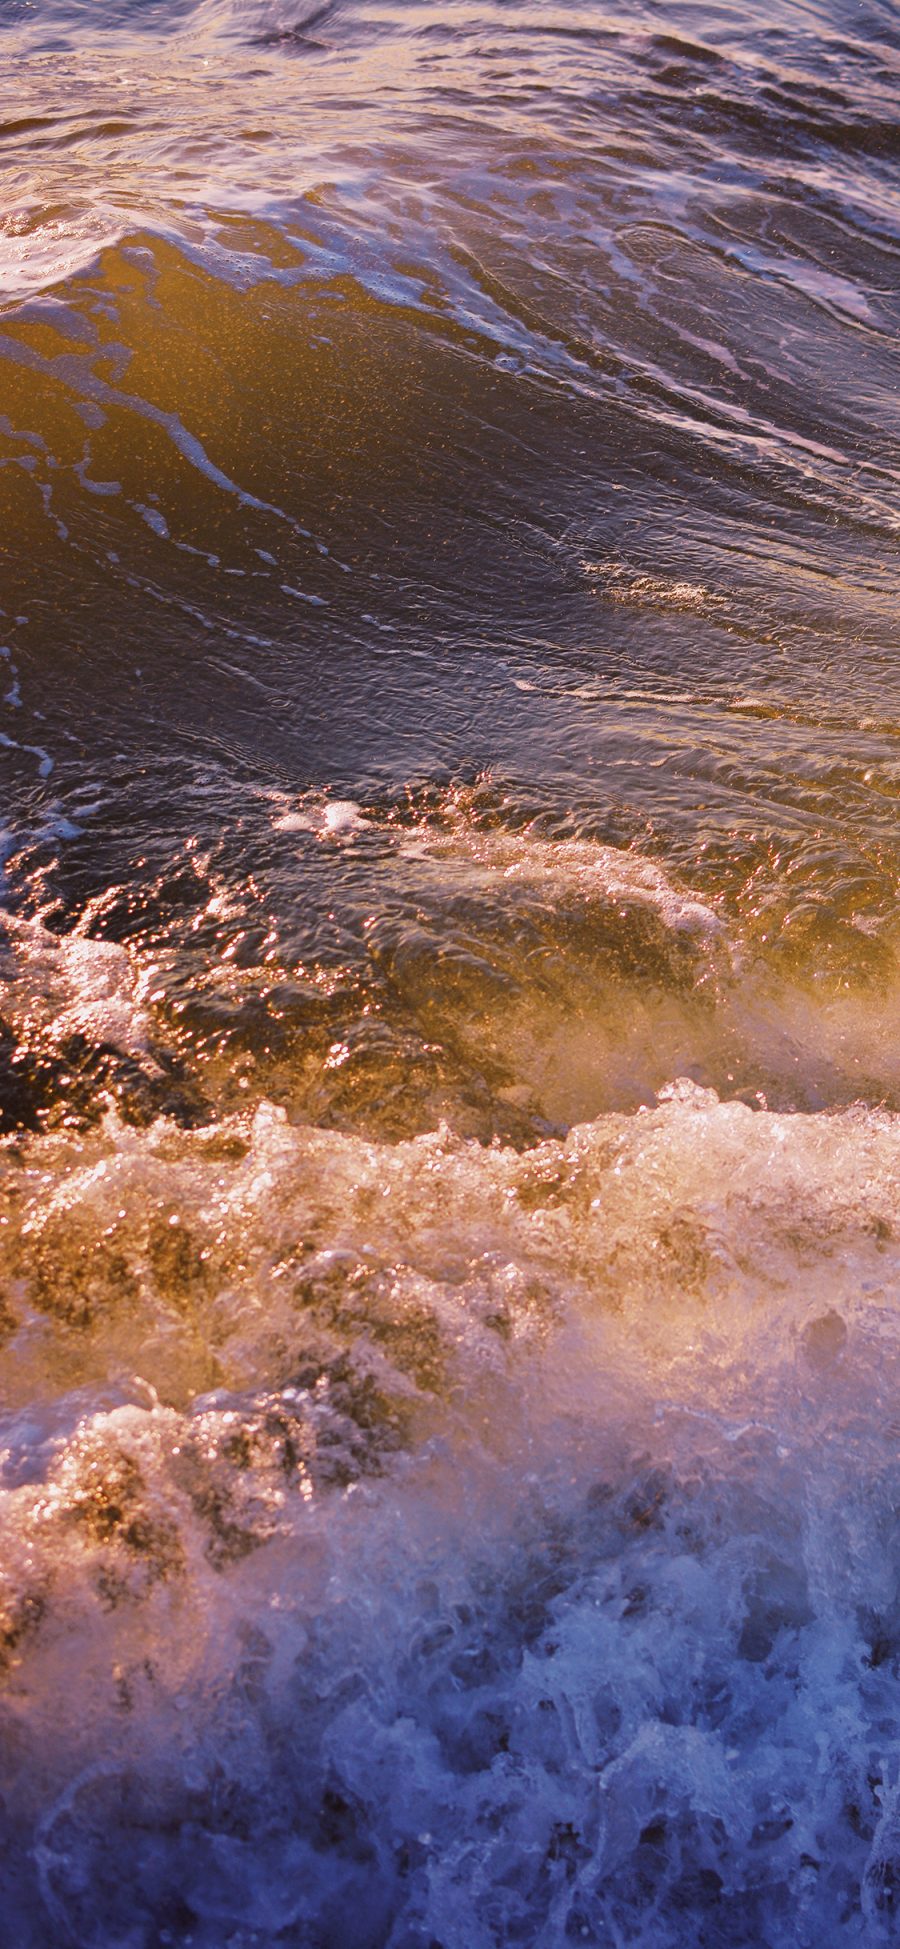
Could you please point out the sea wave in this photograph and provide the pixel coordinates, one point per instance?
(449, 993)
(536, 1435)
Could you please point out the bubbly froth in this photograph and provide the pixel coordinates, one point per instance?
(449, 993)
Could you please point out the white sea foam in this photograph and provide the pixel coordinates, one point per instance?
(328, 817)
(580, 866)
(511, 1533)
(45, 762)
(62, 985)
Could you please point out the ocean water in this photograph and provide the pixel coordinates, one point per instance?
(449, 981)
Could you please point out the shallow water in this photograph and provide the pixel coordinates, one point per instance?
(449, 1072)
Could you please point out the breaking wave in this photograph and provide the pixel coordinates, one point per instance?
(449, 994)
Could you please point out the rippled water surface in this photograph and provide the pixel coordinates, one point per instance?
(449, 987)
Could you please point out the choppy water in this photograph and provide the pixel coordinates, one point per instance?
(449, 1054)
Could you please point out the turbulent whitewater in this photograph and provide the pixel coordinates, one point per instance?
(449, 975)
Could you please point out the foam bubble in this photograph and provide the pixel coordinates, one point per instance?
(607, 873)
(65, 985)
(525, 1553)
(329, 818)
